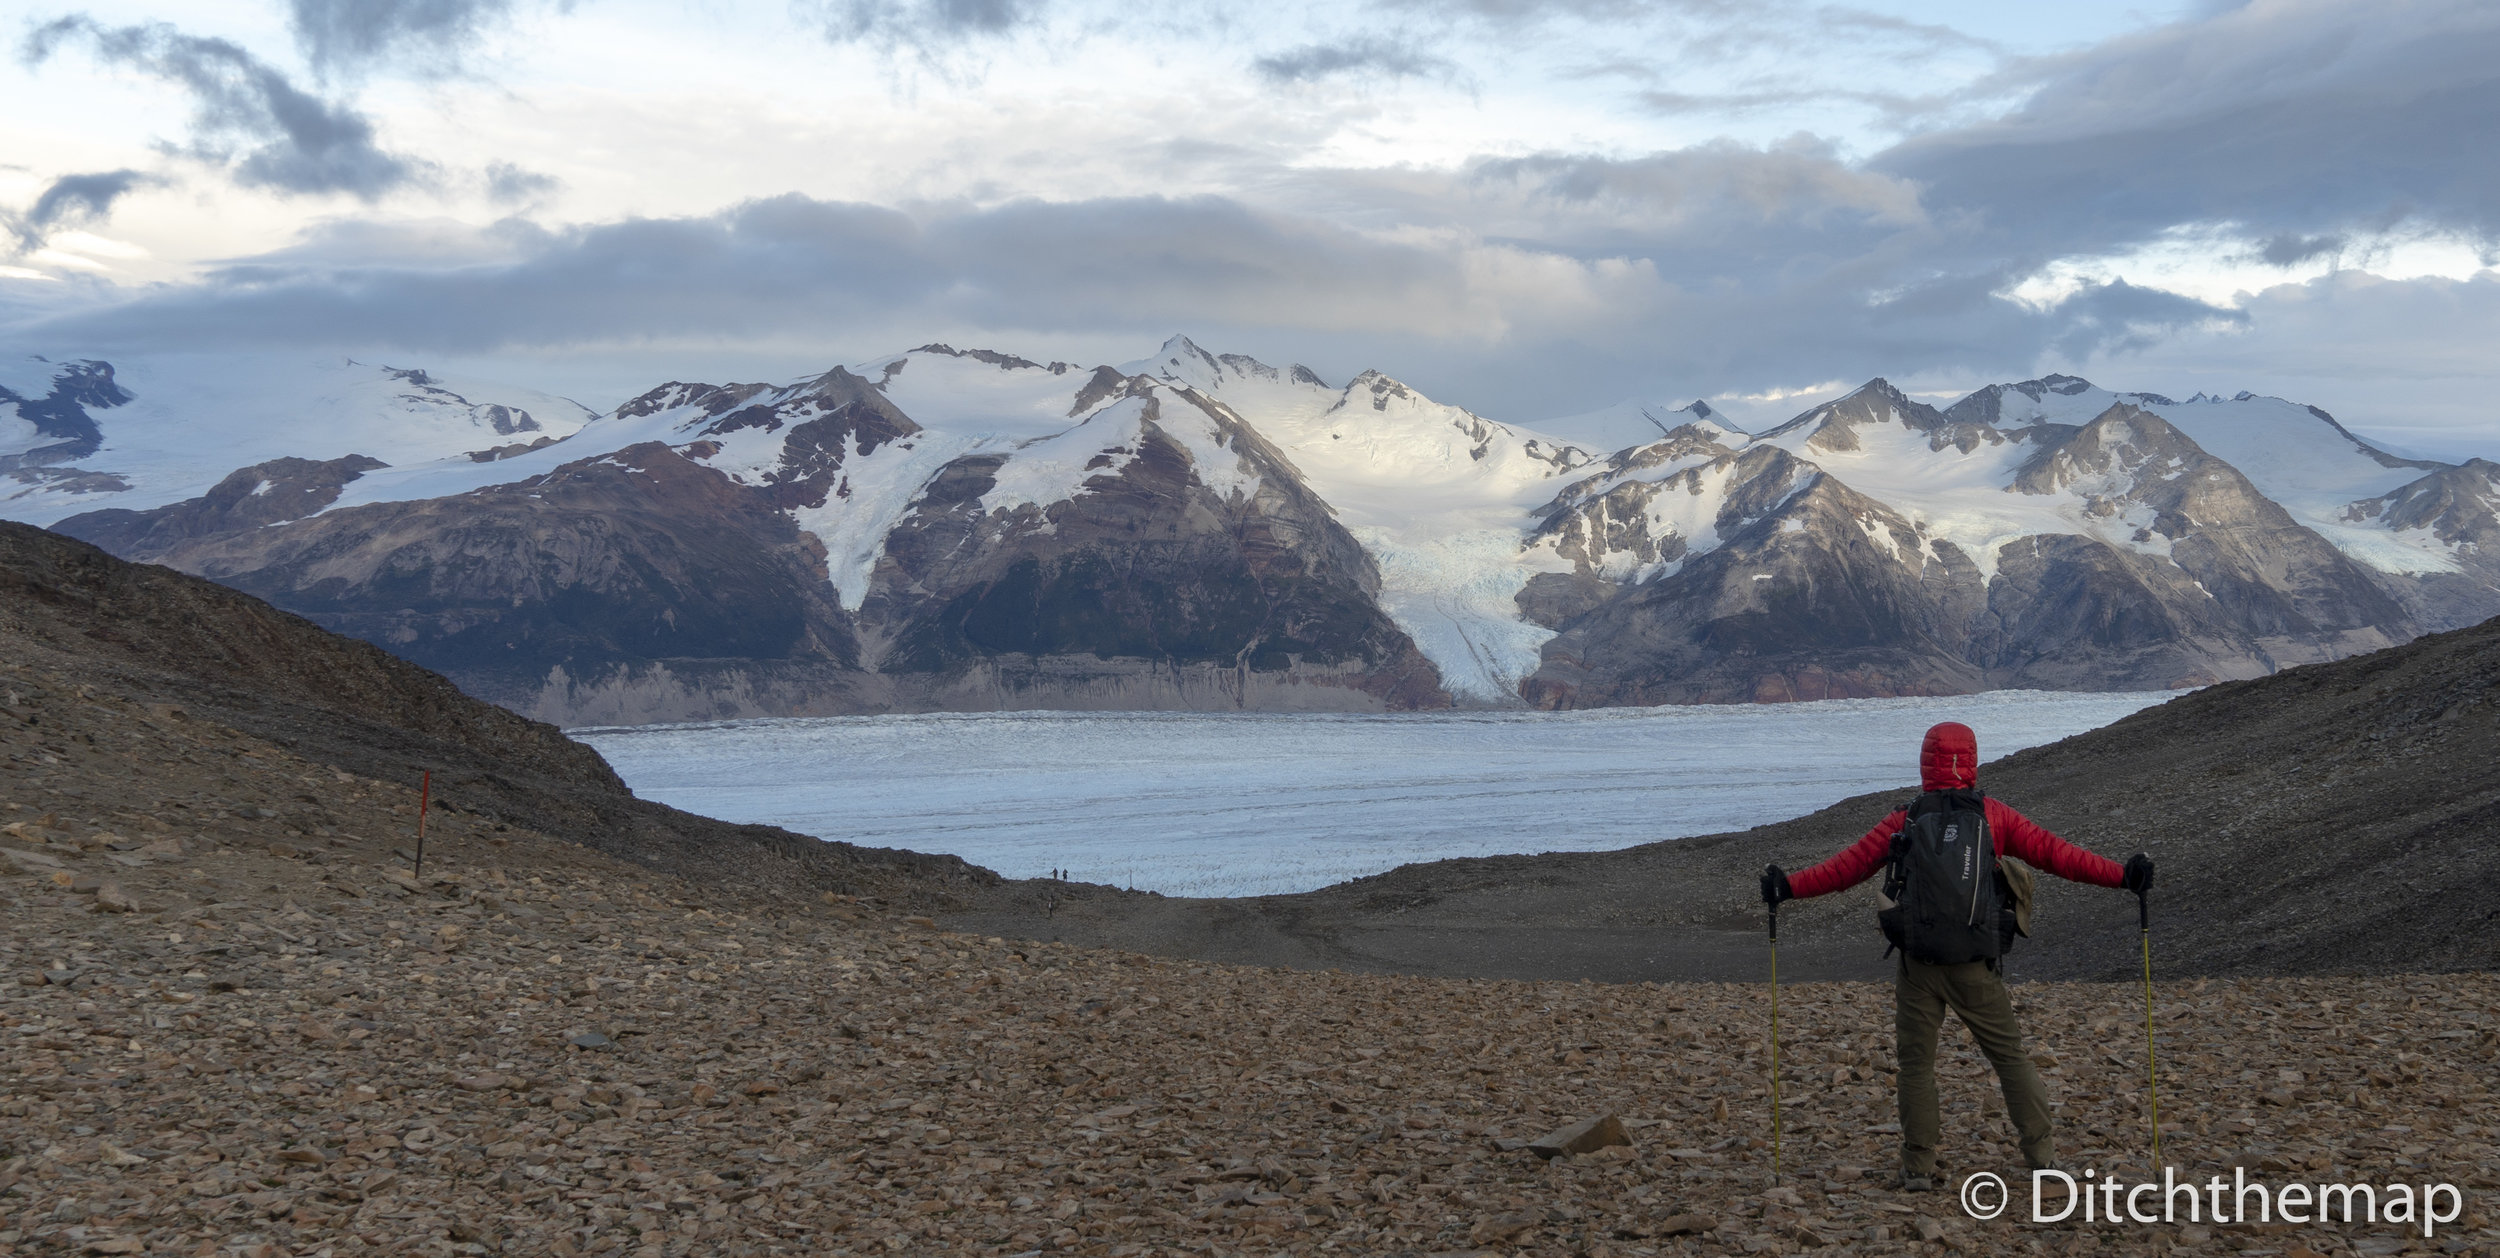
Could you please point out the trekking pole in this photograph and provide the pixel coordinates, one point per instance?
(1775, 1044)
(2152, 1070)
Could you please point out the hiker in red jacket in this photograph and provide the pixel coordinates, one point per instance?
(1973, 989)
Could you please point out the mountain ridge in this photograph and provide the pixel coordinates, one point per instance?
(1014, 533)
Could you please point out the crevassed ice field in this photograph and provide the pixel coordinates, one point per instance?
(1252, 803)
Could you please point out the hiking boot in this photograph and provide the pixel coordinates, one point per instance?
(1917, 1183)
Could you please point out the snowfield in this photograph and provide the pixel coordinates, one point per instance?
(193, 418)
(1257, 804)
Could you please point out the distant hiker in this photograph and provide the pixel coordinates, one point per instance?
(1952, 921)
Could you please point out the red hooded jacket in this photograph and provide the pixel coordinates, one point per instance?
(1949, 761)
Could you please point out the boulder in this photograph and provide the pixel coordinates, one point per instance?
(1586, 1136)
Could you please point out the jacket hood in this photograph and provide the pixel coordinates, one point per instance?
(1949, 759)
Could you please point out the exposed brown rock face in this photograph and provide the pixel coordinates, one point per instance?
(1036, 543)
(1813, 590)
(253, 497)
(1797, 603)
(2457, 504)
(834, 417)
(1148, 563)
(66, 432)
(652, 585)
(2268, 577)
(640, 555)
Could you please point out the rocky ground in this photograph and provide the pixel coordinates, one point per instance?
(237, 1023)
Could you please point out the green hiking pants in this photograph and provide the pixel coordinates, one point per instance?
(1975, 994)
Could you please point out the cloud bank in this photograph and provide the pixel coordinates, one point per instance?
(349, 35)
(2000, 231)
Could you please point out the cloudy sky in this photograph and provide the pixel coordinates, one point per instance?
(1527, 208)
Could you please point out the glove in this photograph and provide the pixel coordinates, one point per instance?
(1775, 886)
(2139, 875)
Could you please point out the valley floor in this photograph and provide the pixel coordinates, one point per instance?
(233, 1027)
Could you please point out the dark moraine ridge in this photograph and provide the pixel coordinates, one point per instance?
(155, 635)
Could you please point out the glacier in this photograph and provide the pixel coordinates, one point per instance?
(1244, 804)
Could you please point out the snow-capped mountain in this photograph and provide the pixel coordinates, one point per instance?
(946, 528)
(1437, 495)
(2046, 533)
(144, 433)
(1035, 536)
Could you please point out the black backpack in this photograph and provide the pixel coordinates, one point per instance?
(1947, 898)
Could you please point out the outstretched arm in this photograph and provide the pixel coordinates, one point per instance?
(2020, 837)
(1855, 864)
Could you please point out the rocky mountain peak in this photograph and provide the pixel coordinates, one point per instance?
(1183, 361)
(1708, 424)
(89, 382)
(1008, 362)
(1179, 348)
(2122, 446)
(1875, 402)
(504, 420)
(2054, 398)
(62, 430)
(249, 498)
(2068, 385)
(712, 398)
(840, 388)
(2455, 504)
(1379, 391)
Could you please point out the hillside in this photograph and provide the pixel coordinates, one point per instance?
(2331, 819)
(138, 662)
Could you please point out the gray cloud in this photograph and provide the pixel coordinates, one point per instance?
(1536, 11)
(246, 115)
(507, 184)
(2292, 248)
(1889, 104)
(1934, 36)
(1669, 36)
(1369, 54)
(84, 198)
(75, 200)
(927, 24)
(348, 34)
(2284, 119)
